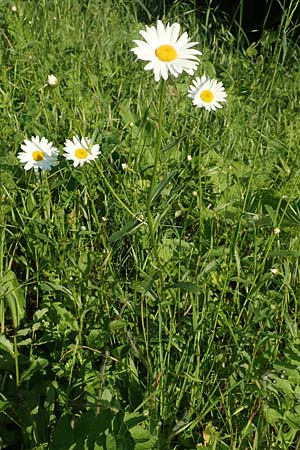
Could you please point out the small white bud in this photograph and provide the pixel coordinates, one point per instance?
(14, 8)
(189, 157)
(52, 80)
(276, 231)
(124, 166)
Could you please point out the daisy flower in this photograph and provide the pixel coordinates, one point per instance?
(81, 151)
(166, 51)
(38, 154)
(207, 93)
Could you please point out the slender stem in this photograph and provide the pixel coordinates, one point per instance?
(200, 190)
(111, 189)
(154, 170)
(16, 354)
(158, 144)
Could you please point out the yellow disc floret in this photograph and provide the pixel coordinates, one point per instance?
(166, 53)
(81, 153)
(38, 155)
(207, 96)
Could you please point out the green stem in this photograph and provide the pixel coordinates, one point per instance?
(154, 170)
(152, 227)
(111, 189)
(200, 190)
(16, 354)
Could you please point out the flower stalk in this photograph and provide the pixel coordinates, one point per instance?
(154, 170)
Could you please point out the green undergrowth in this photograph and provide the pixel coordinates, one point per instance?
(106, 341)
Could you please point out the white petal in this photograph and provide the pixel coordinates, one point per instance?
(175, 28)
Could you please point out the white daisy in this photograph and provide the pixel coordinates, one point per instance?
(166, 51)
(81, 151)
(38, 154)
(207, 93)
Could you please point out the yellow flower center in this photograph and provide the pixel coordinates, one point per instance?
(166, 53)
(38, 155)
(81, 153)
(207, 96)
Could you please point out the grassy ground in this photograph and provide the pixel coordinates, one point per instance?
(108, 341)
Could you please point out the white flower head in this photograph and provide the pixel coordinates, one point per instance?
(38, 154)
(207, 93)
(52, 80)
(166, 51)
(81, 150)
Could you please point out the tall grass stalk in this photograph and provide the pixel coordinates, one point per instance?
(157, 154)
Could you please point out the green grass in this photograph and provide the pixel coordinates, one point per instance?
(115, 335)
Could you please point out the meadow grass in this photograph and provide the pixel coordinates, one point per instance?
(117, 335)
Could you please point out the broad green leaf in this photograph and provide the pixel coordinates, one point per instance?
(272, 415)
(293, 358)
(292, 420)
(66, 317)
(36, 366)
(118, 324)
(283, 385)
(83, 262)
(111, 443)
(62, 435)
(287, 370)
(209, 267)
(13, 296)
(142, 438)
(6, 345)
